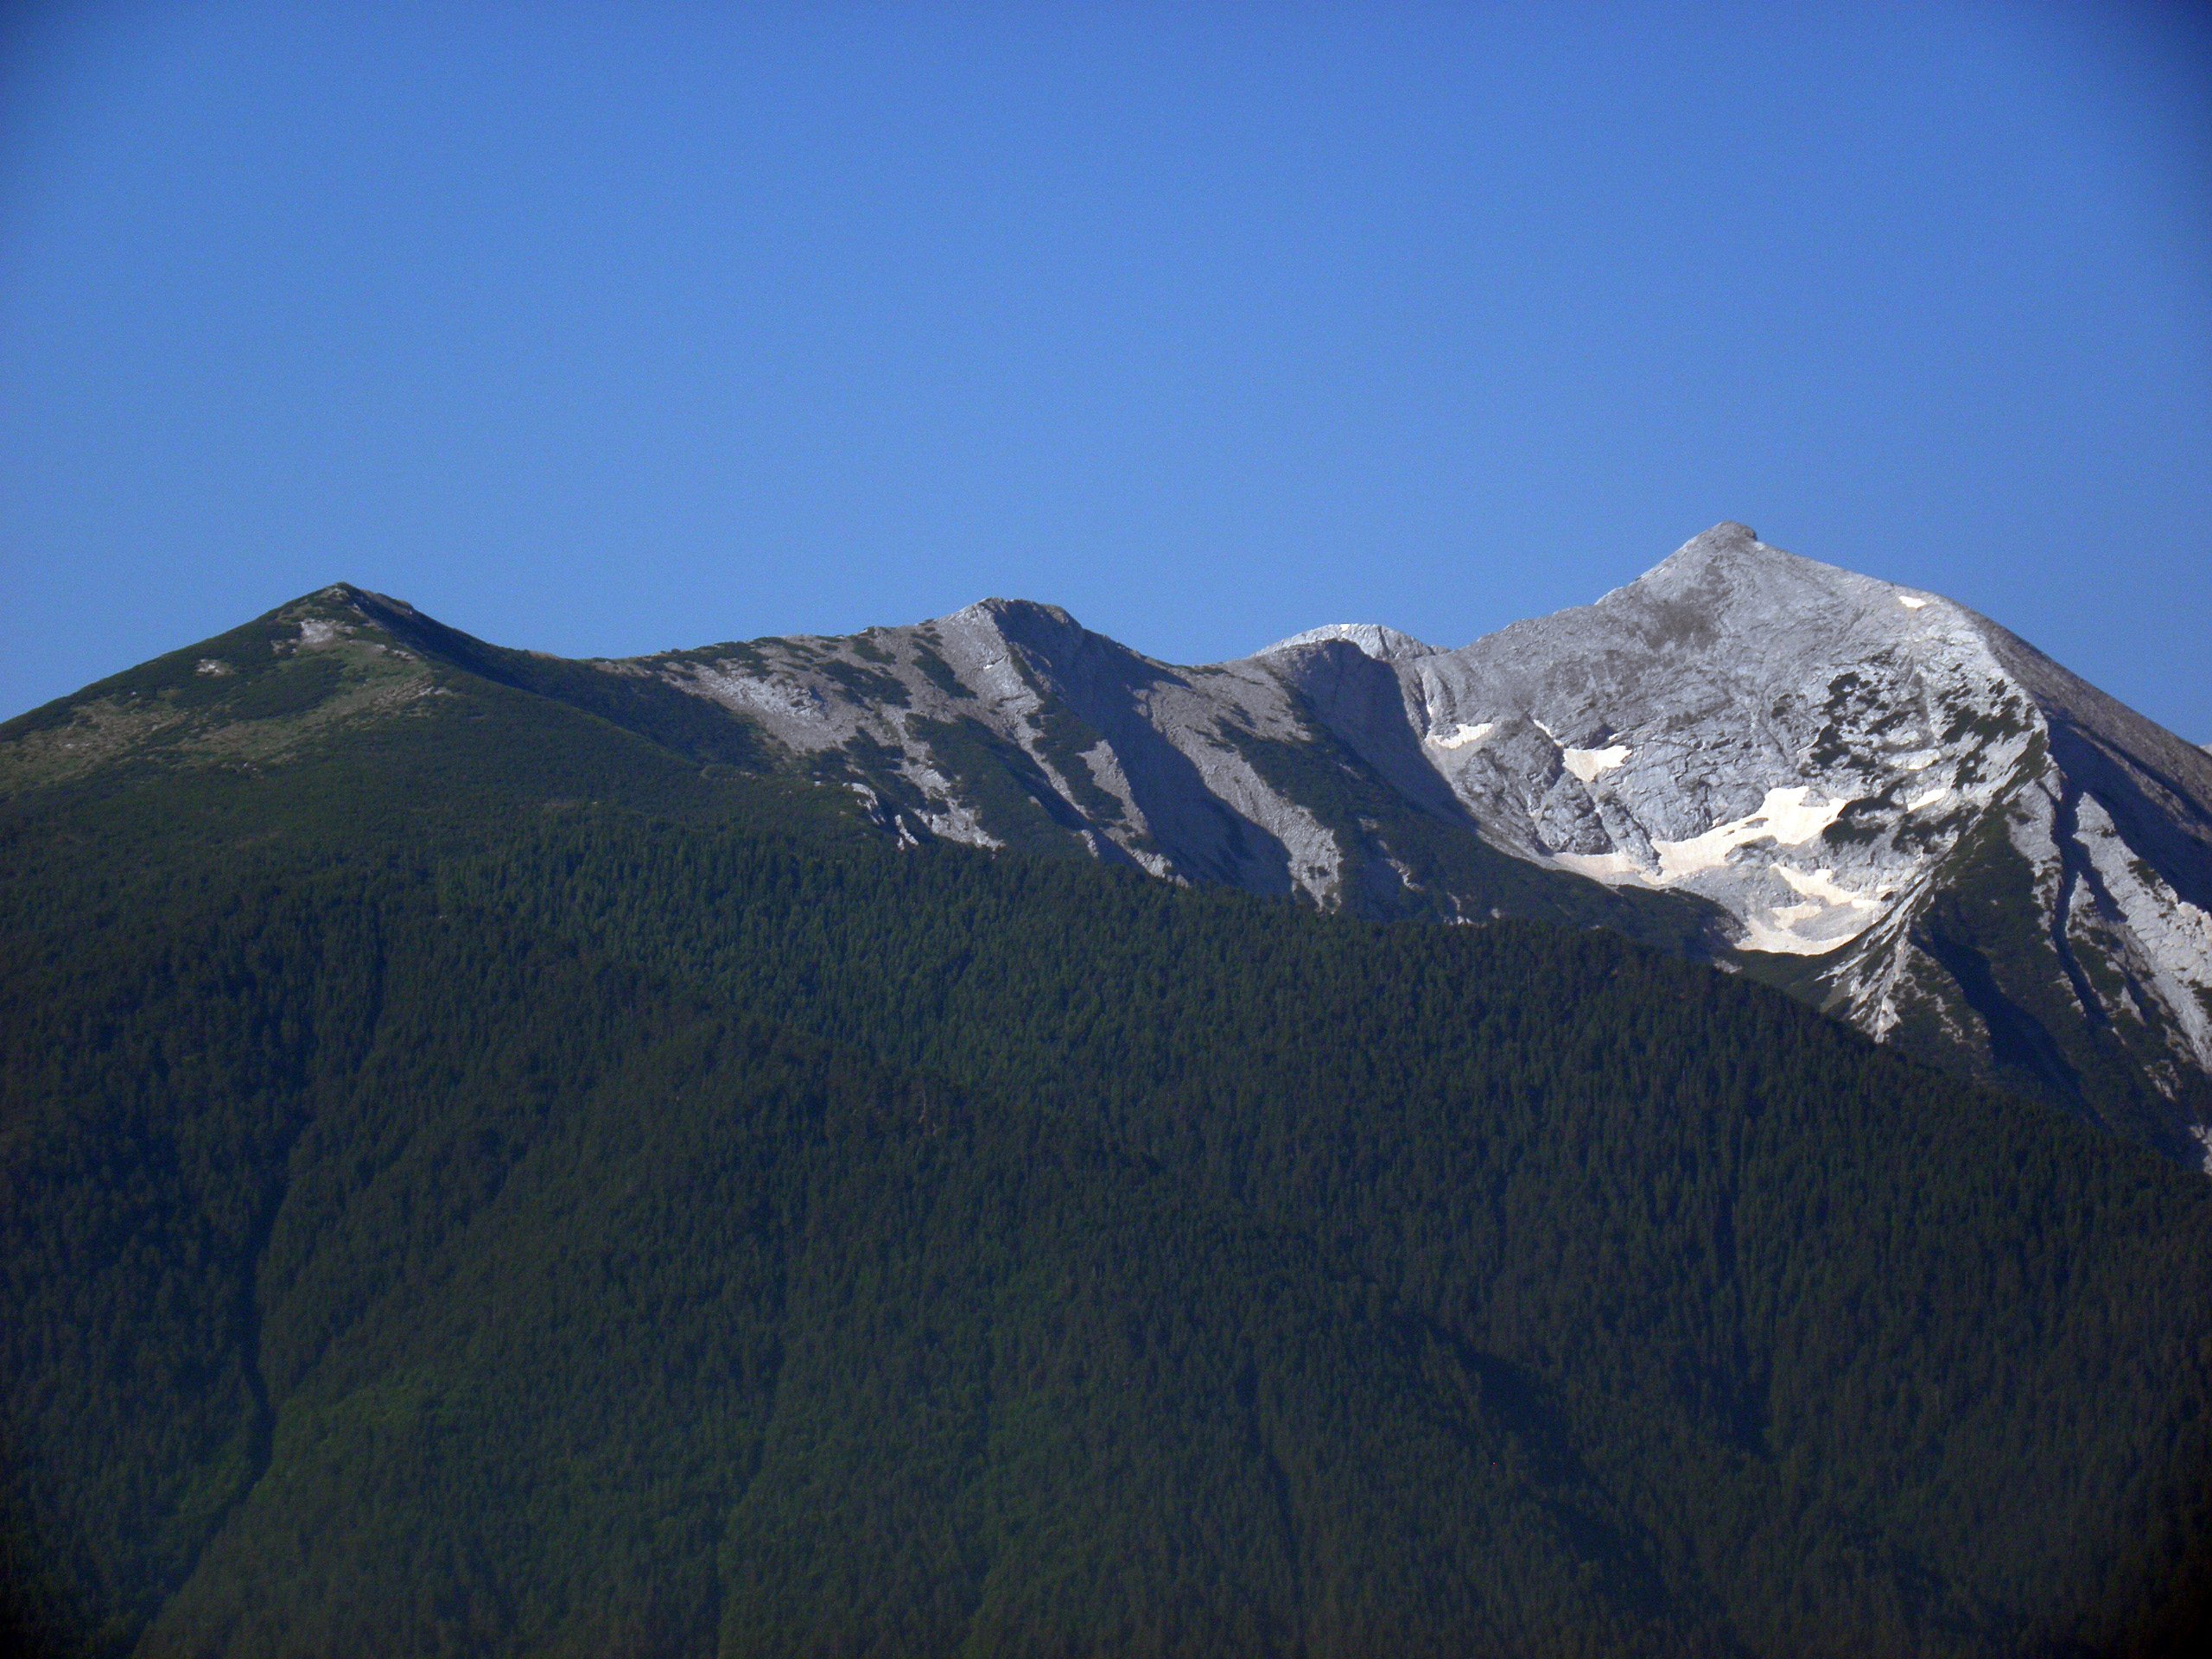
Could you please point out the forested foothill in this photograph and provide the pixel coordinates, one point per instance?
(488, 1182)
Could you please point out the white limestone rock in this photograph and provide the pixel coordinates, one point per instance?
(1806, 758)
(1383, 645)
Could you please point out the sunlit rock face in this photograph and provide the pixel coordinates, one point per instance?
(1384, 644)
(1823, 756)
(1864, 791)
(1801, 745)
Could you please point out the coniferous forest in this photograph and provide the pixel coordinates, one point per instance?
(487, 1184)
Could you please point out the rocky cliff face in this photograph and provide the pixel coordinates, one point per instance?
(1906, 813)
(1865, 793)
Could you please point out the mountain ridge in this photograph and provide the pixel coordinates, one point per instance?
(505, 1155)
(1864, 792)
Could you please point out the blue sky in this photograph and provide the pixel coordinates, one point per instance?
(604, 328)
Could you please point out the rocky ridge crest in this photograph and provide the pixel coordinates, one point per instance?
(1865, 793)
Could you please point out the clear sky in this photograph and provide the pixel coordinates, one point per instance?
(602, 328)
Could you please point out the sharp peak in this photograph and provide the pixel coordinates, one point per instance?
(997, 609)
(1021, 609)
(346, 593)
(1727, 531)
(1730, 549)
(1725, 540)
(1027, 622)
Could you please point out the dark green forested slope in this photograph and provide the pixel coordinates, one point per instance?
(441, 1214)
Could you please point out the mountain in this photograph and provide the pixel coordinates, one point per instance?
(507, 1155)
(1908, 815)
(1865, 794)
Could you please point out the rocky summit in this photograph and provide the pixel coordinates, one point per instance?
(1865, 793)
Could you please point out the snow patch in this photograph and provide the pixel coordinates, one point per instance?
(1782, 930)
(1822, 887)
(1911, 603)
(1787, 817)
(1941, 792)
(1463, 735)
(1775, 933)
(1586, 764)
(1610, 868)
